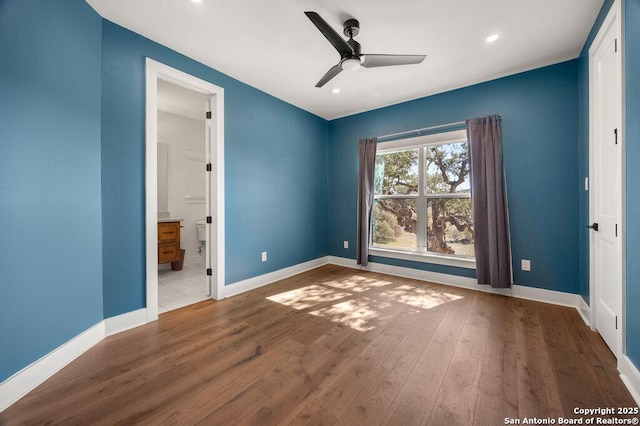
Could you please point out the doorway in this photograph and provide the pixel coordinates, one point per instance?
(205, 160)
(605, 173)
(182, 278)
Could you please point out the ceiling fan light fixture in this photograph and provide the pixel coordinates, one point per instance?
(351, 64)
(492, 38)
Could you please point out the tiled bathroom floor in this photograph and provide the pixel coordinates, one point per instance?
(181, 288)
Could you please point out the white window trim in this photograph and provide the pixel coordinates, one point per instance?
(438, 259)
(423, 256)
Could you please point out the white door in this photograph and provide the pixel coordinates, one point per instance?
(605, 176)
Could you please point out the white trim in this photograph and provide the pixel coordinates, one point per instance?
(271, 277)
(630, 377)
(27, 379)
(125, 322)
(458, 262)
(439, 138)
(613, 18)
(519, 291)
(154, 71)
(151, 190)
(585, 312)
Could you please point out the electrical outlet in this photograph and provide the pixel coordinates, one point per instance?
(526, 265)
(346, 244)
(264, 256)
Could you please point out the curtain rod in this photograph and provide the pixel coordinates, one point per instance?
(418, 131)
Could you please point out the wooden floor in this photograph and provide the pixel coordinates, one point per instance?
(337, 346)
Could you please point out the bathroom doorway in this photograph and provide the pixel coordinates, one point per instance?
(182, 278)
(184, 189)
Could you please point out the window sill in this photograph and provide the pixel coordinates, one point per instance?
(425, 258)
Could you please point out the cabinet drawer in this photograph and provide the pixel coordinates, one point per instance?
(168, 252)
(169, 231)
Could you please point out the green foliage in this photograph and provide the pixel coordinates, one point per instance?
(385, 226)
(447, 171)
(397, 173)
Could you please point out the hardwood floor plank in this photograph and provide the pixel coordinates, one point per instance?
(238, 409)
(379, 392)
(312, 414)
(339, 397)
(211, 394)
(576, 381)
(440, 416)
(418, 395)
(337, 346)
(594, 352)
(538, 394)
(459, 390)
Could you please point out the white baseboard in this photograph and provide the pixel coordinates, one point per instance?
(630, 377)
(519, 291)
(125, 322)
(262, 280)
(27, 379)
(585, 312)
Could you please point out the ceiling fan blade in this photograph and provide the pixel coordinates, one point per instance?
(329, 75)
(334, 38)
(371, 61)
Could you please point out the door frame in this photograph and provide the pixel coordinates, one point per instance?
(613, 18)
(155, 71)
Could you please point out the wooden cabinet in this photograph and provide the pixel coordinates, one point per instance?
(169, 243)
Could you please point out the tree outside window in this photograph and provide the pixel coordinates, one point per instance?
(423, 199)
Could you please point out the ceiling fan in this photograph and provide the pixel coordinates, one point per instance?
(350, 57)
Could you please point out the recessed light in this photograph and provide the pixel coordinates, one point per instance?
(196, 1)
(336, 90)
(492, 38)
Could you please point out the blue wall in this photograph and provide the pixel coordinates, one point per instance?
(583, 149)
(72, 172)
(632, 140)
(275, 161)
(540, 130)
(51, 252)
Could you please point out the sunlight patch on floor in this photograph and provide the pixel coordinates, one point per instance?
(361, 314)
(357, 283)
(419, 297)
(306, 297)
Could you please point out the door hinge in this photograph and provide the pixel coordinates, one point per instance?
(209, 271)
(616, 229)
(209, 219)
(208, 115)
(615, 133)
(208, 167)
(616, 322)
(615, 43)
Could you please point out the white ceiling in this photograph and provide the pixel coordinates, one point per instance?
(273, 46)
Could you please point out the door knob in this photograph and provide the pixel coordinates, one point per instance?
(594, 226)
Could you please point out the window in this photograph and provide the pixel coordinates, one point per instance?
(422, 203)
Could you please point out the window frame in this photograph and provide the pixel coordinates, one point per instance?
(421, 254)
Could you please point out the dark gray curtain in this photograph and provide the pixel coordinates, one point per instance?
(490, 215)
(367, 153)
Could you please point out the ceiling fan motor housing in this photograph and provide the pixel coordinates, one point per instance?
(351, 27)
